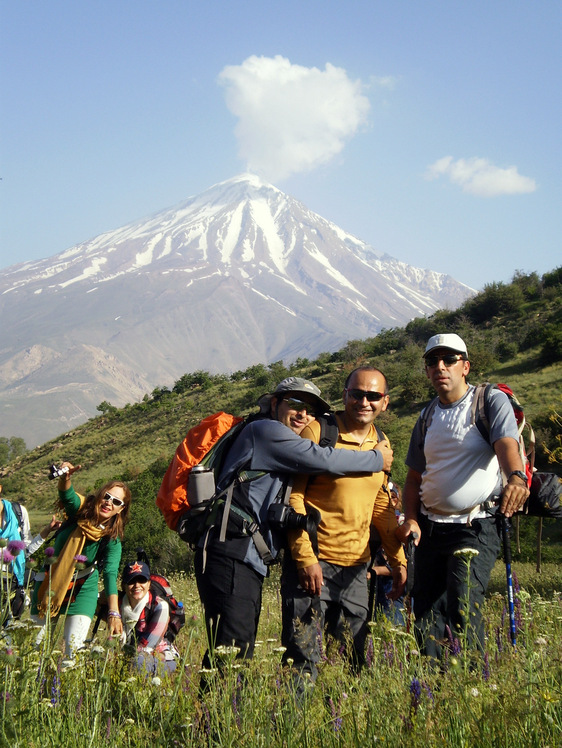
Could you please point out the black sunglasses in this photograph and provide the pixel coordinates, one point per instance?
(300, 405)
(449, 359)
(372, 397)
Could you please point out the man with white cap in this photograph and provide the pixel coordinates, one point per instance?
(451, 495)
(265, 454)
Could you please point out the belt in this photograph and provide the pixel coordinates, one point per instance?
(486, 506)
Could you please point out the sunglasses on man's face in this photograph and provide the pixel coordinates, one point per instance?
(113, 500)
(300, 405)
(449, 359)
(372, 397)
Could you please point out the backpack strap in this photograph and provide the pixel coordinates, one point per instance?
(16, 506)
(329, 430)
(426, 416)
(479, 412)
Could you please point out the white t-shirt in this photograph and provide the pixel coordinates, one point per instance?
(459, 467)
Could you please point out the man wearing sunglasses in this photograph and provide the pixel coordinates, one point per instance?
(267, 452)
(451, 496)
(328, 584)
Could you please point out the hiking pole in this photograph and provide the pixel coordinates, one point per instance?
(372, 595)
(410, 551)
(507, 557)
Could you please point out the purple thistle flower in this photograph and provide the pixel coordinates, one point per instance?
(49, 552)
(6, 556)
(80, 558)
(15, 546)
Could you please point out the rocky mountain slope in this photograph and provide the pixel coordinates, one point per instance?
(237, 275)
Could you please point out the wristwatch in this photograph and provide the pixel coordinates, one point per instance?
(519, 474)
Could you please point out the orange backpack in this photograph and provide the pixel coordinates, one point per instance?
(204, 444)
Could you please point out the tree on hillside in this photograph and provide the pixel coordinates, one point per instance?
(11, 448)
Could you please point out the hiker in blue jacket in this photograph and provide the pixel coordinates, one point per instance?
(264, 456)
(453, 490)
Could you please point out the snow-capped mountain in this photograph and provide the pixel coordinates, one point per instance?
(238, 275)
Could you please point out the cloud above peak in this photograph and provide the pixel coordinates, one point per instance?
(480, 177)
(291, 118)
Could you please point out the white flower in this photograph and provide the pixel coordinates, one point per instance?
(474, 692)
(466, 552)
(156, 681)
(224, 651)
(540, 641)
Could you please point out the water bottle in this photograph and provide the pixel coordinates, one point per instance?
(200, 485)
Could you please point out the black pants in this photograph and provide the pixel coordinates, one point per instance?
(447, 601)
(230, 591)
(341, 609)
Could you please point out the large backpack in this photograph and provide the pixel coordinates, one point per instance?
(160, 586)
(206, 445)
(545, 489)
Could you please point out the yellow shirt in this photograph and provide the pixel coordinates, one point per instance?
(348, 505)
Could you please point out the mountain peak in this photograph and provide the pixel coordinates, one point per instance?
(238, 275)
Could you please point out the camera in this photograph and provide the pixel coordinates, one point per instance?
(56, 472)
(283, 517)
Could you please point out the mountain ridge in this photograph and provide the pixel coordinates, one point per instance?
(237, 275)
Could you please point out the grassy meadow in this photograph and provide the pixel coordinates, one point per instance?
(512, 697)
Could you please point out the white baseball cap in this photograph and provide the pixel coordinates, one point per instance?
(446, 340)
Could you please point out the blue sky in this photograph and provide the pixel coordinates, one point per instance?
(430, 130)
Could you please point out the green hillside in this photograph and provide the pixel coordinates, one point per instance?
(513, 332)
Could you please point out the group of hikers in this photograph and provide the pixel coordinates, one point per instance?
(314, 483)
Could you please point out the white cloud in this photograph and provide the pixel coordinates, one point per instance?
(480, 177)
(291, 118)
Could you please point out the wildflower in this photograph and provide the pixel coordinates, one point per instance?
(3, 542)
(15, 546)
(156, 681)
(81, 561)
(466, 552)
(129, 721)
(97, 649)
(493, 686)
(49, 552)
(6, 556)
(224, 651)
(279, 649)
(540, 641)
(474, 692)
